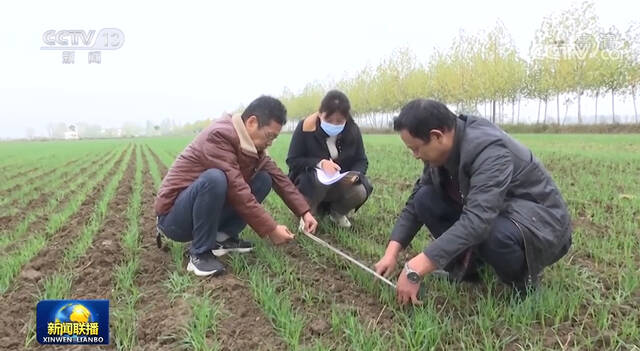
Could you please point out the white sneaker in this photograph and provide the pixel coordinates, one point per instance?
(205, 264)
(340, 220)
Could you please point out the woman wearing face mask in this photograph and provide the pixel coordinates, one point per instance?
(330, 140)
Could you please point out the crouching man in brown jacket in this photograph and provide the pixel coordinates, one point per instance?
(217, 184)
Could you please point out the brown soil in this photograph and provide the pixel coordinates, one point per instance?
(20, 173)
(370, 304)
(18, 303)
(340, 290)
(94, 271)
(161, 167)
(158, 317)
(44, 190)
(11, 222)
(28, 178)
(242, 325)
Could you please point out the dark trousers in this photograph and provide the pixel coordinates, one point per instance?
(339, 197)
(504, 248)
(200, 213)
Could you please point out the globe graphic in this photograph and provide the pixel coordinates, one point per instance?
(73, 312)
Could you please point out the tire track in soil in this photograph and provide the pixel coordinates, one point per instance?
(10, 222)
(40, 222)
(242, 326)
(94, 271)
(19, 300)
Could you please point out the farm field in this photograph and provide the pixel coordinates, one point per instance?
(77, 221)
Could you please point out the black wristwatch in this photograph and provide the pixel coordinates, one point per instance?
(412, 275)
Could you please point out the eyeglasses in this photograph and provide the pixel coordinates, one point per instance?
(270, 137)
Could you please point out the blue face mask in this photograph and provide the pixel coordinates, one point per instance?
(331, 129)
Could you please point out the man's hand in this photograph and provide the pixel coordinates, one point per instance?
(329, 167)
(407, 291)
(387, 263)
(351, 179)
(281, 235)
(310, 223)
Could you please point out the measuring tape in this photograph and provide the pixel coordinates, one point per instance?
(349, 258)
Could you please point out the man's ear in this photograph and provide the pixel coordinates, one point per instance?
(436, 134)
(251, 123)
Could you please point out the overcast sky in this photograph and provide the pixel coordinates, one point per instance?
(192, 60)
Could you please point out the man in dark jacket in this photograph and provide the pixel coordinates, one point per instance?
(481, 195)
(216, 186)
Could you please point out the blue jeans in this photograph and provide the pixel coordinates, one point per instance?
(200, 212)
(503, 250)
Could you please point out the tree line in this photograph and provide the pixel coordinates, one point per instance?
(570, 57)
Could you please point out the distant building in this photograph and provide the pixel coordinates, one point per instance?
(71, 133)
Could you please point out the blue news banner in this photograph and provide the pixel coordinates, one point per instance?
(72, 322)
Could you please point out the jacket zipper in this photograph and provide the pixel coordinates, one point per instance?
(459, 191)
(524, 243)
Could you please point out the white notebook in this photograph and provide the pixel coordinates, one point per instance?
(326, 179)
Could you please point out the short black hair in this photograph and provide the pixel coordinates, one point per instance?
(420, 116)
(266, 109)
(336, 101)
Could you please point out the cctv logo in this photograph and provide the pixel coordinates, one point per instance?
(106, 39)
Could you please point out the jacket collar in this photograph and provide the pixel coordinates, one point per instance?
(246, 144)
(310, 123)
(453, 162)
